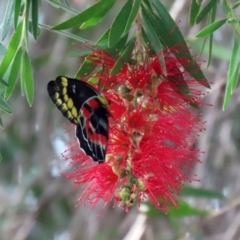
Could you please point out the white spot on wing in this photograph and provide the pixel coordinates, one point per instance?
(74, 88)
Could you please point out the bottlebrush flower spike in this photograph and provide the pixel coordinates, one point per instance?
(153, 130)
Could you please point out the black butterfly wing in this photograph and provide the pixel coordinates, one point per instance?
(94, 123)
(69, 95)
(78, 101)
(99, 119)
(83, 143)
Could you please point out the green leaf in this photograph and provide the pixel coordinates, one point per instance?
(233, 70)
(66, 3)
(11, 50)
(4, 106)
(120, 45)
(155, 42)
(86, 68)
(3, 82)
(91, 22)
(3, 50)
(211, 20)
(69, 35)
(124, 57)
(184, 209)
(7, 18)
(17, 10)
(98, 9)
(211, 28)
(227, 96)
(80, 53)
(205, 10)
(35, 18)
(133, 14)
(1, 125)
(236, 5)
(119, 24)
(65, 7)
(27, 78)
(234, 57)
(31, 29)
(226, 6)
(26, 22)
(164, 26)
(194, 9)
(196, 192)
(104, 36)
(0, 154)
(13, 73)
(96, 18)
(234, 78)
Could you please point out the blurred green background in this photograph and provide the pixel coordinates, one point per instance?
(37, 203)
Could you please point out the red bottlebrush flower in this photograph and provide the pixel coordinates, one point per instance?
(153, 131)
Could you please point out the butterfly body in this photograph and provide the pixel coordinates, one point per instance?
(85, 107)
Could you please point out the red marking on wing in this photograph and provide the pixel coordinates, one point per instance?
(93, 103)
(94, 137)
(85, 112)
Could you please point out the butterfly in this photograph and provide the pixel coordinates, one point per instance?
(86, 108)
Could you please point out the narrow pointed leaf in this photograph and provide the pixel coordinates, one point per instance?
(27, 78)
(65, 7)
(98, 9)
(97, 17)
(234, 65)
(66, 3)
(1, 125)
(119, 23)
(233, 69)
(211, 28)
(184, 209)
(211, 20)
(17, 9)
(69, 35)
(236, 5)
(7, 18)
(234, 78)
(234, 57)
(104, 36)
(165, 26)
(11, 50)
(133, 14)
(197, 192)
(3, 50)
(227, 96)
(35, 18)
(124, 58)
(120, 45)
(15, 69)
(4, 106)
(26, 22)
(205, 10)
(194, 9)
(31, 29)
(3, 82)
(86, 68)
(155, 42)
